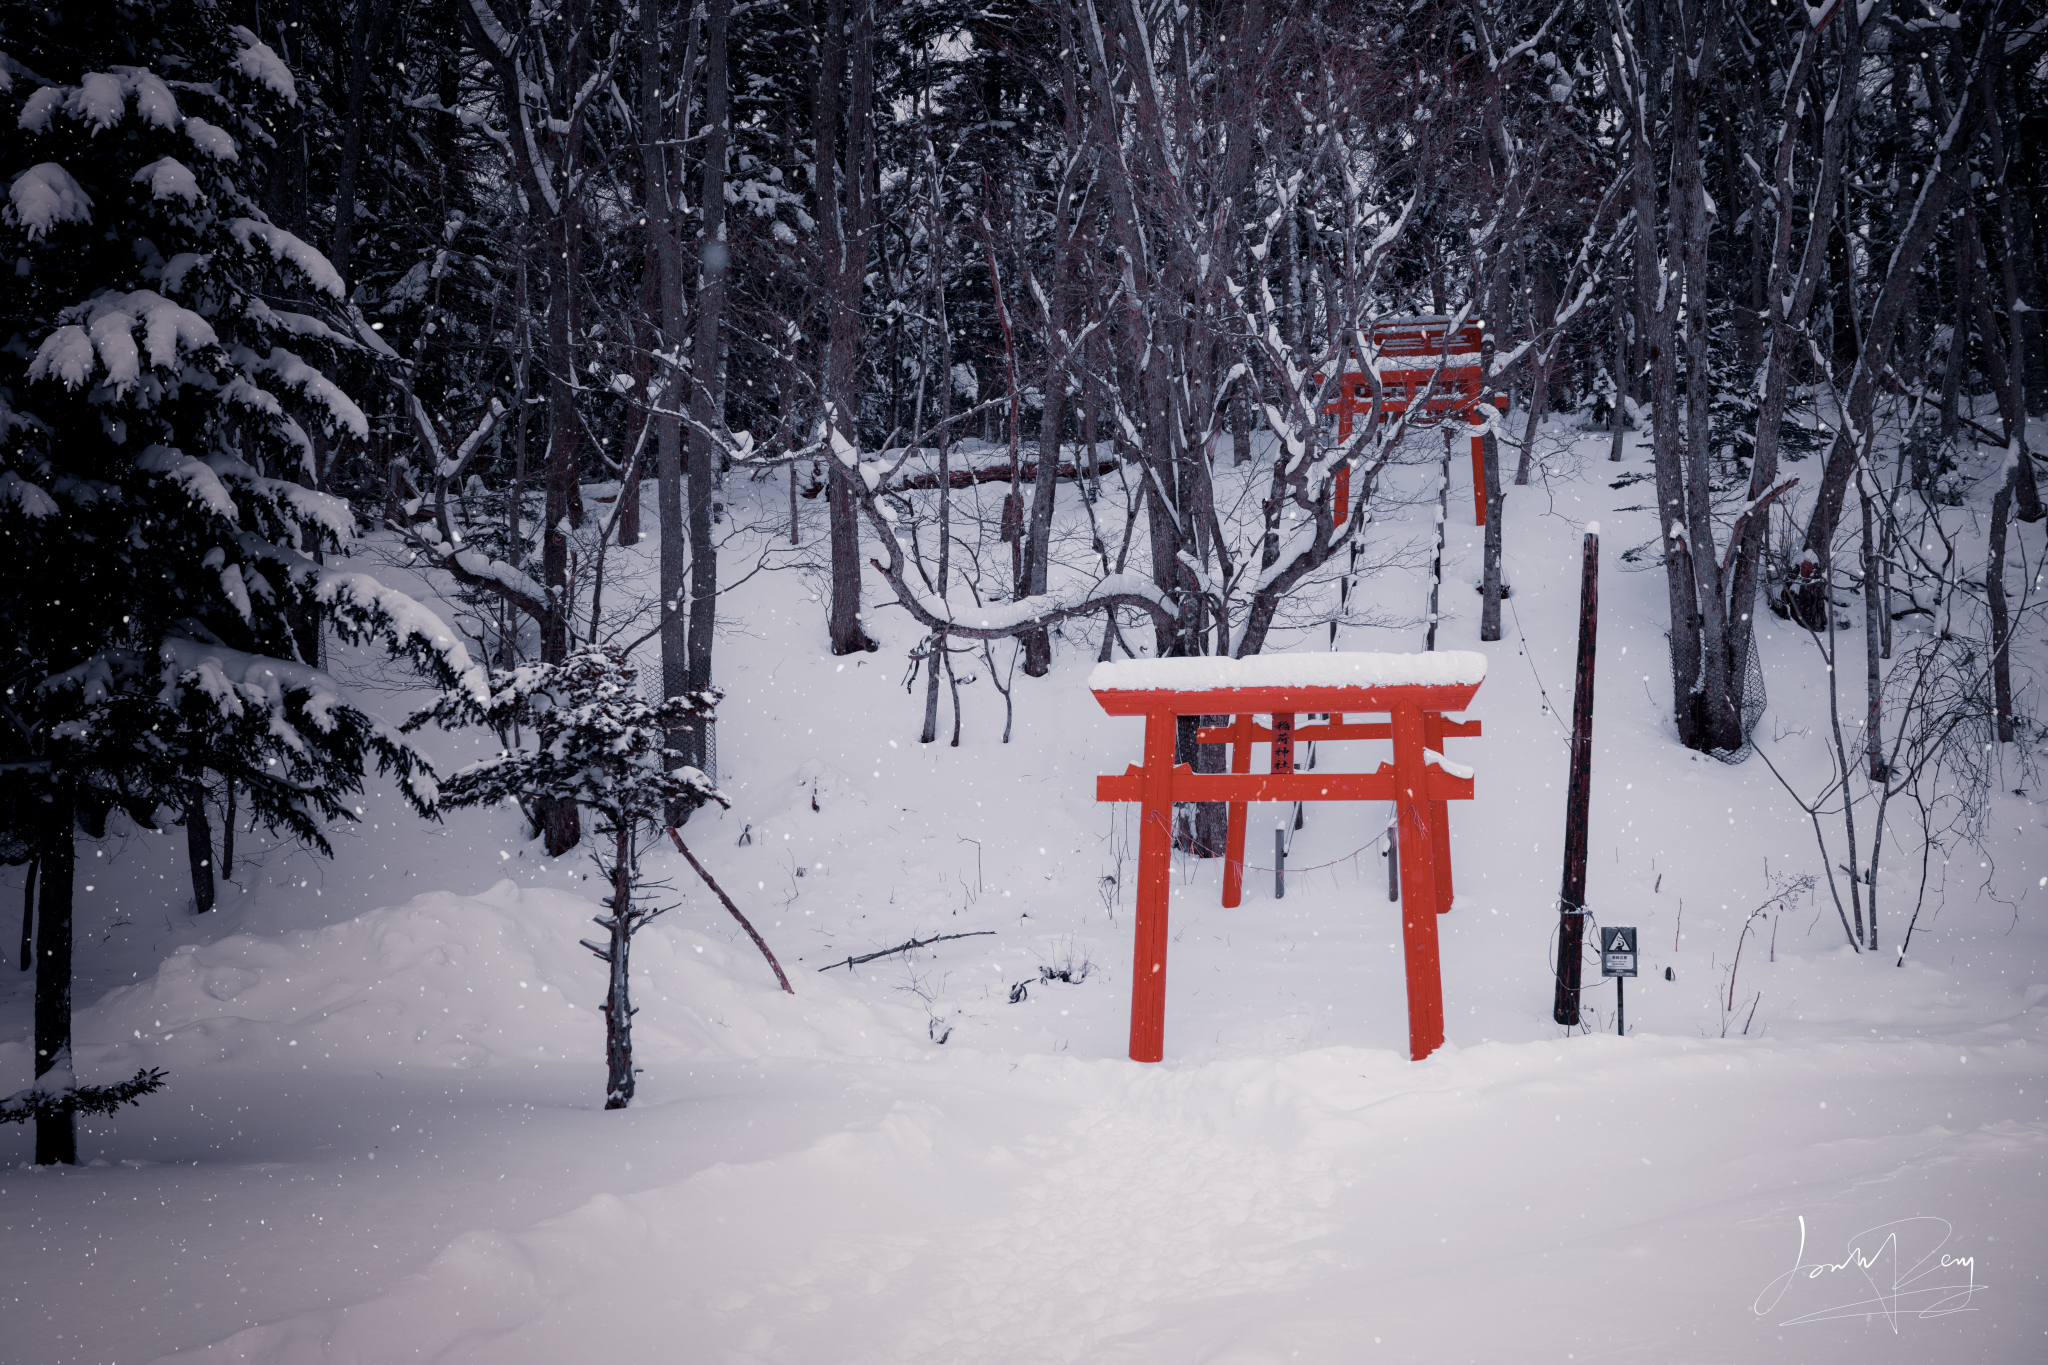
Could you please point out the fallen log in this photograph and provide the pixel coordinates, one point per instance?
(967, 478)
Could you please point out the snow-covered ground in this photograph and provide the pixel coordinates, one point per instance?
(382, 1138)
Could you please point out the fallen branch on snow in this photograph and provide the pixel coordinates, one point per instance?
(853, 962)
(752, 933)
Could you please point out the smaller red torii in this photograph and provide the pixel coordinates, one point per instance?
(1284, 735)
(1433, 354)
(1413, 690)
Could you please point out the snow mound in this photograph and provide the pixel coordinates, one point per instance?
(445, 980)
(454, 981)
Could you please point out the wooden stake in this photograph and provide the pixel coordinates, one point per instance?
(1571, 900)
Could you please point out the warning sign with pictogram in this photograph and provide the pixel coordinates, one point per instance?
(1617, 951)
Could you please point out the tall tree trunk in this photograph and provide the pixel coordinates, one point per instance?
(642, 367)
(561, 824)
(1620, 377)
(1787, 293)
(285, 195)
(1873, 643)
(199, 847)
(1492, 263)
(56, 1138)
(930, 733)
(657, 175)
(1491, 586)
(2026, 493)
(366, 28)
(1720, 725)
(618, 997)
(705, 395)
(1053, 416)
(564, 439)
(845, 89)
(1542, 307)
(1148, 351)
(227, 834)
(1653, 285)
(1808, 603)
(1660, 288)
(2001, 623)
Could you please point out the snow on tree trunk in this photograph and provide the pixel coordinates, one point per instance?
(618, 998)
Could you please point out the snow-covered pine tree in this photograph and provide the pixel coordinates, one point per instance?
(162, 354)
(579, 731)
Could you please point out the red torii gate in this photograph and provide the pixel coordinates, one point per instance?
(1422, 342)
(1413, 690)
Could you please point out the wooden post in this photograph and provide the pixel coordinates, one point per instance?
(1155, 875)
(1571, 900)
(1393, 857)
(1418, 886)
(1283, 762)
(1233, 838)
(1341, 512)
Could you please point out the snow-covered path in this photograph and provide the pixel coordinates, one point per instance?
(1608, 1200)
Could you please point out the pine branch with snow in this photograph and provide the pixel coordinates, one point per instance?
(592, 739)
(163, 397)
(39, 1103)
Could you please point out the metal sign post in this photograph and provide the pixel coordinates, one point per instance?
(1618, 960)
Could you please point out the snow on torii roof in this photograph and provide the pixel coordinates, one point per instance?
(1288, 682)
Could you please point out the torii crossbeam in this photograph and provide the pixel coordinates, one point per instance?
(1413, 690)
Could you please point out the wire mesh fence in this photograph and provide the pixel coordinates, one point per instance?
(651, 690)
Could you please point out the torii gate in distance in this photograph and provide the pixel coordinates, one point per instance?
(1413, 690)
(1415, 356)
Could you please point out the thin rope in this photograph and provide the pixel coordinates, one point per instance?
(1549, 705)
(1314, 867)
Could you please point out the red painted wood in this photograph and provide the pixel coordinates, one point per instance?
(1155, 877)
(1188, 785)
(1239, 735)
(1452, 389)
(1419, 790)
(1439, 817)
(1286, 700)
(1418, 889)
(1305, 734)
